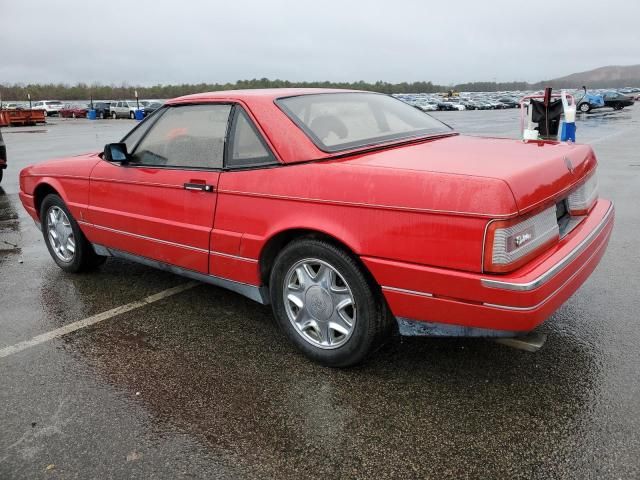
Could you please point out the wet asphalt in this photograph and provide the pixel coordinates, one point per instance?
(203, 385)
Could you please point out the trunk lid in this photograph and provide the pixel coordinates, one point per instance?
(536, 172)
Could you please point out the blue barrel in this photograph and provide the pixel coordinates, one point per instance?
(91, 114)
(139, 115)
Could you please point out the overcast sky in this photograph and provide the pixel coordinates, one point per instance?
(148, 42)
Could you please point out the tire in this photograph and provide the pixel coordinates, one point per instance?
(349, 333)
(584, 107)
(46, 114)
(102, 115)
(132, 115)
(114, 115)
(1, 175)
(83, 257)
(73, 115)
(617, 106)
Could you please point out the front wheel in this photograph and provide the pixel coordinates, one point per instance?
(132, 115)
(585, 107)
(65, 241)
(114, 115)
(325, 304)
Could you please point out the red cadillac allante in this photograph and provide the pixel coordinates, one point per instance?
(350, 212)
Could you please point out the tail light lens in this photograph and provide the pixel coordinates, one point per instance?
(583, 198)
(510, 244)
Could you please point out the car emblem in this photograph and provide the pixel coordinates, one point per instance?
(567, 162)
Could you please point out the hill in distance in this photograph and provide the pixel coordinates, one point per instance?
(614, 76)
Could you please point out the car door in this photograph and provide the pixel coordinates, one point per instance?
(161, 205)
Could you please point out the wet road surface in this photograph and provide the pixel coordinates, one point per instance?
(202, 385)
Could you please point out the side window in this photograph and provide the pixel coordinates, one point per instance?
(190, 136)
(133, 137)
(247, 148)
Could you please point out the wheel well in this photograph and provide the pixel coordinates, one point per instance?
(40, 192)
(276, 243)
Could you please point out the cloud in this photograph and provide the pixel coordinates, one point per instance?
(149, 42)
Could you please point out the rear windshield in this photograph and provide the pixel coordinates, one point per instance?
(343, 121)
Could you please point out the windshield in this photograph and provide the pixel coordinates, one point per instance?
(343, 121)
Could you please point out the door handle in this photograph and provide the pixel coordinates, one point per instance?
(203, 187)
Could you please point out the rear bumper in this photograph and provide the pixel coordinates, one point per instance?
(516, 302)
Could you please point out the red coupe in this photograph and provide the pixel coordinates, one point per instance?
(351, 213)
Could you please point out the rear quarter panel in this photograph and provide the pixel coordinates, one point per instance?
(425, 218)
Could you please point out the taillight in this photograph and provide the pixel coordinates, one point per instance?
(583, 198)
(510, 244)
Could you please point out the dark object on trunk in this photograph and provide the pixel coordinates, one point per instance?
(547, 118)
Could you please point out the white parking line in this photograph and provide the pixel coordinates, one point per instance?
(92, 320)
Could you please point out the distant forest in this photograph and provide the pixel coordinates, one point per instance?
(80, 91)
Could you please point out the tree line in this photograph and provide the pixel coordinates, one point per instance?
(80, 91)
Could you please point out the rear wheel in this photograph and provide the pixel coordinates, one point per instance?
(114, 115)
(325, 304)
(65, 241)
(101, 115)
(132, 115)
(585, 107)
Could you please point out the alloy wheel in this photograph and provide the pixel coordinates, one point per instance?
(319, 303)
(60, 234)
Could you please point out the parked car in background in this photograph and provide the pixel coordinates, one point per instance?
(588, 101)
(50, 107)
(73, 111)
(447, 106)
(509, 102)
(124, 109)
(12, 106)
(151, 107)
(255, 191)
(103, 109)
(3, 156)
(617, 101)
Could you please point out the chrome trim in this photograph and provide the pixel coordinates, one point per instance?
(144, 237)
(235, 257)
(484, 241)
(549, 274)
(410, 292)
(370, 205)
(166, 242)
(538, 305)
(258, 294)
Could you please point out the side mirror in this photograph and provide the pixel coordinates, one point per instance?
(116, 152)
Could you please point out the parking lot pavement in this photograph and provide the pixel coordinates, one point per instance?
(201, 384)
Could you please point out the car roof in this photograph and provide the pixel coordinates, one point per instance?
(254, 94)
